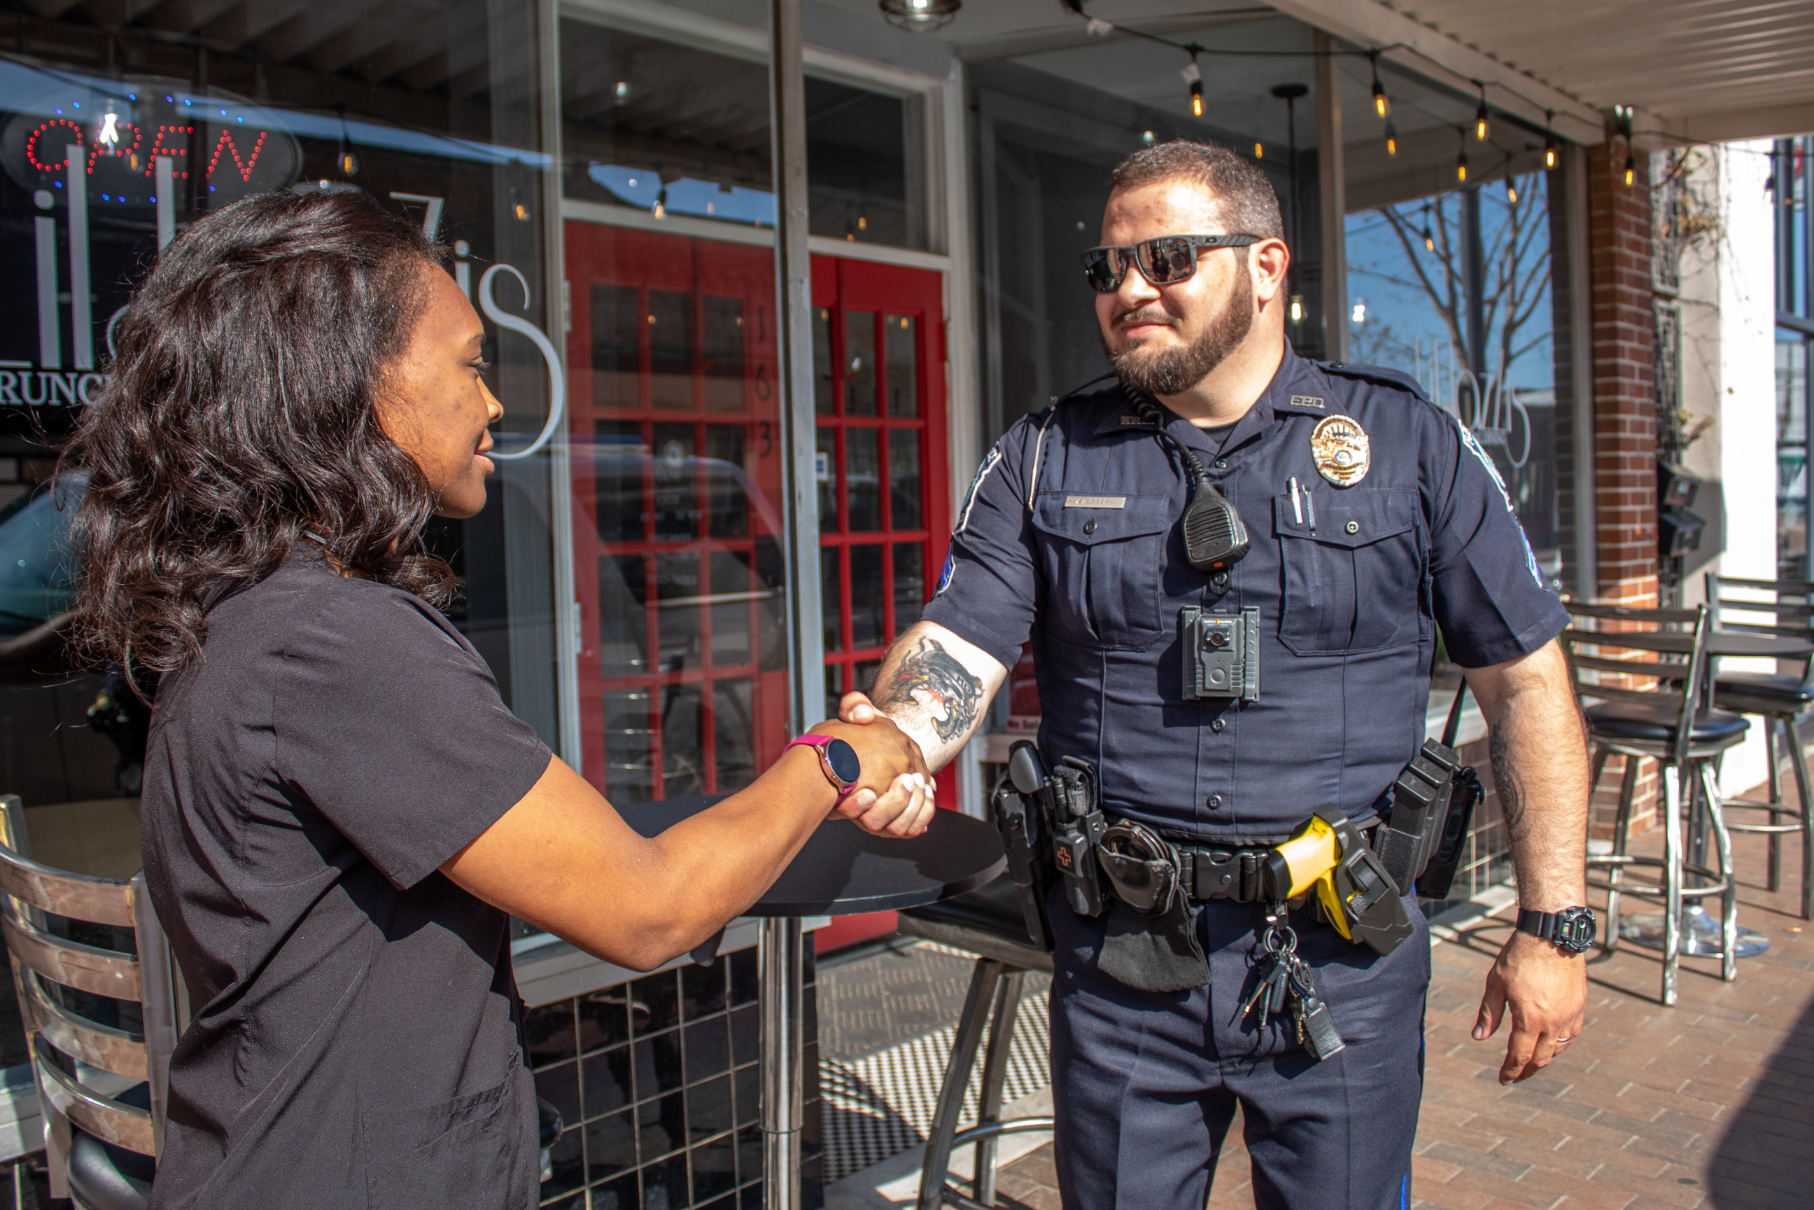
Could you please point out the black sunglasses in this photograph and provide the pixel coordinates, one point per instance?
(1162, 261)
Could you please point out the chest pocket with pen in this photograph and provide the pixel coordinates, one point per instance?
(1352, 583)
(1102, 556)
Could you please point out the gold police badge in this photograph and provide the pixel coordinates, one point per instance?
(1339, 445)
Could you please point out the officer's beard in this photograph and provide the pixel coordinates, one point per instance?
(1175, 371)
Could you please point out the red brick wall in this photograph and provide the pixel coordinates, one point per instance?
(1625, 413)
(1624, 369)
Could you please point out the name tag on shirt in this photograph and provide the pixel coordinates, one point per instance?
(1095, 501)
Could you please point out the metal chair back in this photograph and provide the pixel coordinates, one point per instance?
(1645, 646)
(1792, 607)
(43, 962)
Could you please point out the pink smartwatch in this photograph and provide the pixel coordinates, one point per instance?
(838, 759)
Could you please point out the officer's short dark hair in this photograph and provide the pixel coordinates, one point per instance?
(1248, 202)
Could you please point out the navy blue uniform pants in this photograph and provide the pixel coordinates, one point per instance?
(1146, 1085)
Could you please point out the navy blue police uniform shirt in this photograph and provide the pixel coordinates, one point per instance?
(1070, 534)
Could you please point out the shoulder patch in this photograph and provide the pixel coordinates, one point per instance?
(982, 473)
(1379, 375)
(1473, 446)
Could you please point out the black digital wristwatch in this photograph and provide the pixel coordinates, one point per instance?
(1572, 929)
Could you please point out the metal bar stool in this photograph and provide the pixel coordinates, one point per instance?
(1778, 698)
(989, 924)
(1671, 724)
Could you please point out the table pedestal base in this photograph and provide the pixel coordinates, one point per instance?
(781, 956)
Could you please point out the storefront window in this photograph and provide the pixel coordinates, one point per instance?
(115, 137)
(1052, 125)
(675, 411)
(673, 129)
(1449, 276)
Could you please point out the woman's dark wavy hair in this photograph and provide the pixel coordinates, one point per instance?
(239, 415)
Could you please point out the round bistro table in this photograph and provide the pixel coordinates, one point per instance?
(842, 871)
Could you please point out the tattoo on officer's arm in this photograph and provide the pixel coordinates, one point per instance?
(1511, 789)
(930, 678)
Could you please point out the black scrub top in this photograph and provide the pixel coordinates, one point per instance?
(356, 1039)
(1070, 534)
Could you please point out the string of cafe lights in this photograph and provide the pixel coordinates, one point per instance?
(1382, 101)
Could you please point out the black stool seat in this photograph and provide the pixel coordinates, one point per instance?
(105, 1177)
(1762, 693)
(1642, 721)
(993, 908)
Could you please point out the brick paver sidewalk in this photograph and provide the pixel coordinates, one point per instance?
(1709, 1103)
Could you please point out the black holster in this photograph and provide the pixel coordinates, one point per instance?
(1150, 942)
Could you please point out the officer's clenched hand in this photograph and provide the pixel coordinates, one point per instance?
(894, 795)
(1545, 992)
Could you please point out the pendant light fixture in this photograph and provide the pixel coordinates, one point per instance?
(1482, 126)
(1193, 76)
(920, 16)
(1382, 105)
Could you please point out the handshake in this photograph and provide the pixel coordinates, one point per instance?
(893, 797)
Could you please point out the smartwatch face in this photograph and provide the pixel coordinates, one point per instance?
(1575, 929)
(843, 761)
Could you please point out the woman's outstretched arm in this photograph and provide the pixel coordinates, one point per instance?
(564, 860)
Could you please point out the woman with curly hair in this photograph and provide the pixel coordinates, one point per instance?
(339, 810)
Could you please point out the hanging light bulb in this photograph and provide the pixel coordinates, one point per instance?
(1482, 127)
(349, 164)
(1194, 77)
(1461, 166)
(1631, 169)
(661, 203)
(1550, 151)
(1382, 105)
(920, 16)
(1429, 241)
(1297, 308)
(1391, 138)
(1511, 190)
(1259, 151)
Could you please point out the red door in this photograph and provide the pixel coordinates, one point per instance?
(674, 423)
(879, 396)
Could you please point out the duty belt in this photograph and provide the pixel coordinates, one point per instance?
(1221, 872)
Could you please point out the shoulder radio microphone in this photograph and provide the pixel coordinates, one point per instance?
(1215, 537)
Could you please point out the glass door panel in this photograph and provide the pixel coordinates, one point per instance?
(676, 475)
(882, 496)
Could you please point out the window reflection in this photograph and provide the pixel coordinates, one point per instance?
(676, 484)
(615, 316)
(622, 624)
(899, 337)
(825, 470)
(670, 321)
(904, 477)
(722, 361)
(824, 393)
(859, 363)
(866, 596)
(830, 584)
(863, 479)
(909, 584)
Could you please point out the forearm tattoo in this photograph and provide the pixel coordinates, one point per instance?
(930, 678)
(1511, 789)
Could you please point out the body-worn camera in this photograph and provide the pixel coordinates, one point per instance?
(1221, 654)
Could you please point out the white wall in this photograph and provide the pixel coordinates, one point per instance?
(1747, 320)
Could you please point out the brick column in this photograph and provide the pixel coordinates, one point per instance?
(1625, 410)
(1625, 416)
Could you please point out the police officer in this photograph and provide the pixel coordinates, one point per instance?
(1375, 520)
